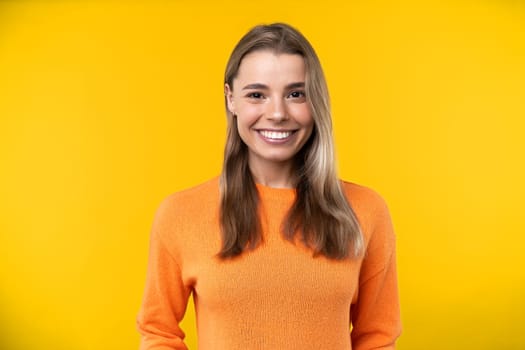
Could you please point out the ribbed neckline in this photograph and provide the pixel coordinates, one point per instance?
(275, 193)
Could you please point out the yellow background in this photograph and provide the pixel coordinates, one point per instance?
(107, 107)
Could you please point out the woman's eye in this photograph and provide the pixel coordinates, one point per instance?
(255, 95)
(297, 94)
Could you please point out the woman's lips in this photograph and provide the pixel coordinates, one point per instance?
(276, 136)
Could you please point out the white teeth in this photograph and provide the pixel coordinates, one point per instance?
(276, 135)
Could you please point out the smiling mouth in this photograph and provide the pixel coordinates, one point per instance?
(275, 135)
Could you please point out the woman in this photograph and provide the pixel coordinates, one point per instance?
(277, 252)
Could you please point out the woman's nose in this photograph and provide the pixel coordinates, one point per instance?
(278, 110)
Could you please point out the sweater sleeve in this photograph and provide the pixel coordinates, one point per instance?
(376, 322)
(165, 296)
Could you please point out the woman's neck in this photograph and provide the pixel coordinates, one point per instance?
(273, 174)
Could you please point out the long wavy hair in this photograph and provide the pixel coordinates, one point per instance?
(320, 213)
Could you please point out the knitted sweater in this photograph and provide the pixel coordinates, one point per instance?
(275, 297)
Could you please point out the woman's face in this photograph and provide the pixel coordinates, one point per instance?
(273, 115)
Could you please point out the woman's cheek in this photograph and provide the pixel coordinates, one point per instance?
(301, 113)
(253, 112)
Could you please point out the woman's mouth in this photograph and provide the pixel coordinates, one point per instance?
(275, 135)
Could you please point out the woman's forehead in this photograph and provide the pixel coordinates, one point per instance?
(270, 67)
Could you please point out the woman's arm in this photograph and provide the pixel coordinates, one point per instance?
(165, 297)
(376, 316)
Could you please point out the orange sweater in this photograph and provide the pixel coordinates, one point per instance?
(275, 297)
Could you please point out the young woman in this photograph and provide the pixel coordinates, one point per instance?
(277, 252)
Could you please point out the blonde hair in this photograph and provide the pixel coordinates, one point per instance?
(321, 212)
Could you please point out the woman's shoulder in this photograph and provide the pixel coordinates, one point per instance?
(198, 192)
(368, 203)
(192, 200)
(202, 190)
(373, 215)
(184, 216)
(357, 193)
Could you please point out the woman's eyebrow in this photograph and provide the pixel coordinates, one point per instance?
(259, 86)
(295, 85)
(255, 86)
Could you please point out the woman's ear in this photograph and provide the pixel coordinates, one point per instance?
(229, 98)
